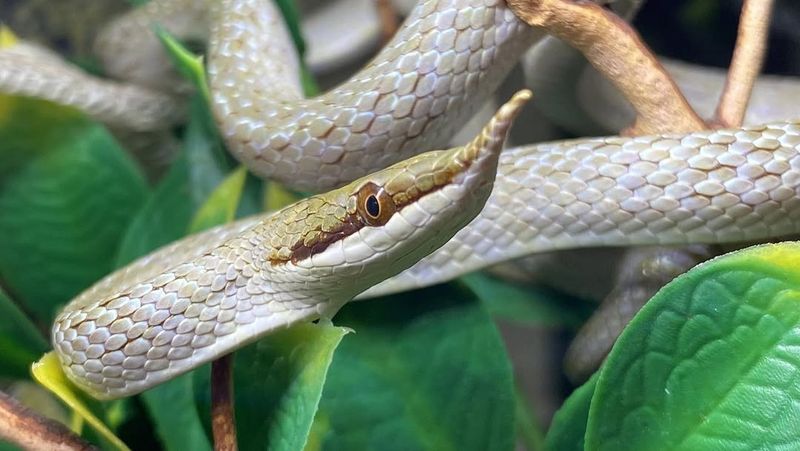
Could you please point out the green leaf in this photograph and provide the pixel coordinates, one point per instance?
(7, 37)
(528, 431)
(67, 193)
(221, 205)
(6, 446)
(173, 409)
(278, 384)
(278, 196)
(168, 212)
(526, 304)
(292, 17)
(424, 370)
(48, 372)
(189, 65)
(20, 342)
(568, 428)
(711, 362)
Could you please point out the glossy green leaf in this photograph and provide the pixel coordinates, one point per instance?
(20, 342)
(568, 429)
(277, 384)
(67, 193)
(711, 362)
(525, 303)
(424, 370)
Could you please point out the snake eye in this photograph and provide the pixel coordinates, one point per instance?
(375, 205)
(372, 206)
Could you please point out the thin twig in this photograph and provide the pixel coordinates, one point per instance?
(388, 18)
(29, 430)
(617, 51)
(223, 422)
(748, 57)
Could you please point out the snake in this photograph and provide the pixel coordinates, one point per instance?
(409, 219)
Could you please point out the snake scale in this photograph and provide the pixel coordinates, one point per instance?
(211, 293)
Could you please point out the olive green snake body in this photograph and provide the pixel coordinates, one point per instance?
(209, 294)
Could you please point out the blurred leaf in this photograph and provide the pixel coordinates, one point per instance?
(526, 304)
(174, 412)
(20, 342)
(424, 370)
(168, 212)
(277, 196)
(711, 362)
(6, 446)
(278, 383)
(188, 64)
(67, 193)
(47, 371)
(568, 428)
(309, 83)
(221, 205)
(7, 37)
(292, 17)
(528, 431)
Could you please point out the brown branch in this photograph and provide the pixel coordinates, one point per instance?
(617, 51)
(748, 57)
(29, 430)
(223, 422)
(388, 18)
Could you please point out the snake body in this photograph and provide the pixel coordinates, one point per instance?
(208, 294)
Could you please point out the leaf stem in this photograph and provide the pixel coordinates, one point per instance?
(223, 422)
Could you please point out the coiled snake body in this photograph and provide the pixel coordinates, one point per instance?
(208, 294)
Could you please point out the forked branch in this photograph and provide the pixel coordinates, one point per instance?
(616, 50)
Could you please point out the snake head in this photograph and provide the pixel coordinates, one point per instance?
(381, 224)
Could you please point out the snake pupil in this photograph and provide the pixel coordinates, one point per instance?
(373, 207)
